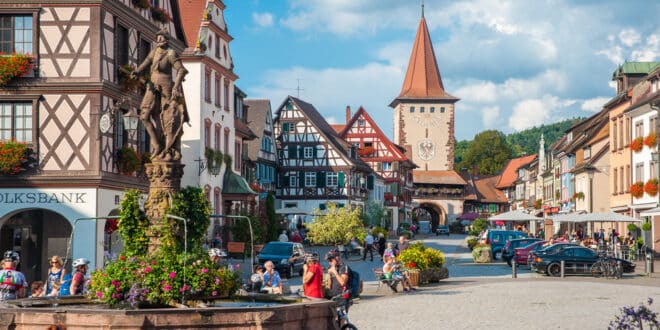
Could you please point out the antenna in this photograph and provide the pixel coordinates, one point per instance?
(298, 89)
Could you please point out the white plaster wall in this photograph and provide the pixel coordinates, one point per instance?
(644, 156)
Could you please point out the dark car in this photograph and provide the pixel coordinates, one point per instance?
(520, 254)
(577, 260)
(497, 239)
(508, 250)
(287, 257)
(442, 230)
(554, 248)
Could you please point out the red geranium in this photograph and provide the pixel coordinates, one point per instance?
(637, 189)
(12, 156)
(651, 140)
(637, 144)
(651, 187)
(411, 265)
(12, 66)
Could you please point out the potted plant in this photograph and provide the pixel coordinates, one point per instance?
(428, 262)
(12, 156)
(637, 189)
(12, 66)
(637, 144)
(142, 4)
(482, 253)
(651, 140)
(651, 187)
(127, 82)
(129, 161)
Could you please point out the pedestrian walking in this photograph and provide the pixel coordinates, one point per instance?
(368, 247)
(12, 282)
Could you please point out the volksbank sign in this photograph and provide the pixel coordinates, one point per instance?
(43, 198)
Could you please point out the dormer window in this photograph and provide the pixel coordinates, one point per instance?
(361, 123)
(587, 152)
(569, 136)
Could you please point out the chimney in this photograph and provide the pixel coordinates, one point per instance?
(348, 113)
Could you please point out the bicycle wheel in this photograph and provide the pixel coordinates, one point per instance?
(597, 269)
(348, 326)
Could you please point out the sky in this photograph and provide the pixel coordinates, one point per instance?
(513, 64)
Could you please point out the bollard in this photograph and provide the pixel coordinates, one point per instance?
(562, 268)
(649, 262)
(514, 269)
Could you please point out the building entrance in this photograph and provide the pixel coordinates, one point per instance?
(36, 235)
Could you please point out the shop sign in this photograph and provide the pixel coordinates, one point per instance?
(43, 198)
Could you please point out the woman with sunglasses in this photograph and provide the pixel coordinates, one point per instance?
(56, 273)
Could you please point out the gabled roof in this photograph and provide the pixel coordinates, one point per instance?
(192, 12)
(383, 138)
(634, 68)
(324, 129)
(585, 130)
(337, 127)
(510, 173)
(423, 79)
(438, 177)
(256, 117)
(487, 191)
(243, 129)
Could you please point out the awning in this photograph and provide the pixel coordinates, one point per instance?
(234, 184)
(651, 212)
(607, 217)
(290, 210)
(468, 216)
(517, 215)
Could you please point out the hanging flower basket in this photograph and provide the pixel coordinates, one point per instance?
(12, 156)
(12, 66)
(129, 161)
(142, 4)
(365, 151)
(651, 187)
(129, 84)
(637, 189)
(651, 140)
(111, 225)
(159, 14)
(637, 144)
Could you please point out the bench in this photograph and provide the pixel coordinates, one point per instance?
(236, 248)
(380, 278)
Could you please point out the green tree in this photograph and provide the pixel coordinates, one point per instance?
(241, 230)
(337, 226)
(488, 151)
(374, 214)
(272, 225)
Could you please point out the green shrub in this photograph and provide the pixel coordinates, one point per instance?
(379, 230)
(632, 227)
(646, 226)
(456, 227)
(471, 242)
(477, 250)
(407, 233)
(419, 256)
(479, 225)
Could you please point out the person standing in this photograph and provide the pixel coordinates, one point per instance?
(337, 274)
(12, 282)
(56, 273)
(381, 245)
(312, 277)
(81, 265)
(368, 246)
(283, 237)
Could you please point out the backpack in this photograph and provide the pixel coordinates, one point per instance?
(354, 283)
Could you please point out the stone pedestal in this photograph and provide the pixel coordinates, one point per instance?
(164, 181)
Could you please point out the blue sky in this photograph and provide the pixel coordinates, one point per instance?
(514, 64)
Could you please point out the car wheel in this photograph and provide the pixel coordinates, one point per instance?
(554, 269)
(497, 255)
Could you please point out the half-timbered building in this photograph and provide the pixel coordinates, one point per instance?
(387, 159)
(68, 109)
(261, 151)
(316, 165)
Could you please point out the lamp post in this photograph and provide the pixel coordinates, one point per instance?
(250, 226)
(73, 229)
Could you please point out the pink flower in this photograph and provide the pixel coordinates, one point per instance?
(153, 262)
(217, 281)
(117, 289)
(172, 274)
(99, 294)
(167, 288)
(214, 293)
(204, 270)
(184, 288)
(147, 270)
(238, 267)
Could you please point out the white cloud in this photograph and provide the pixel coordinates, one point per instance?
(263, 20)
(648, 52)
(595, 104)
(629, 37)
(490, 116)
(479, 92)
(534, 112)
(333, 120)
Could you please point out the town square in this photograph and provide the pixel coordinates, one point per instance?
(248, 164)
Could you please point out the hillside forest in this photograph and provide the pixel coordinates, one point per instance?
(490, 150)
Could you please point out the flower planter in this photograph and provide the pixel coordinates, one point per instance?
(651, 187)
(413, 274)
(12, 66)
(637, 189)
(637, 144)
(433, 275)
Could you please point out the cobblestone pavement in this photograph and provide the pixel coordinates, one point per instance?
(485, 296)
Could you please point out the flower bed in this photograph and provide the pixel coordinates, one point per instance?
(482, 253)
(427, 261)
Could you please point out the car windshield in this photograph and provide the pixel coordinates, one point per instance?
(277, 249)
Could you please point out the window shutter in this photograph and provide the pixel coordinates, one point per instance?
(370, 182)
(394, 189)
(320, 179)
(301, 152)
(284, 180)
(285, 127)
(379, 166)
(395, 166)
(293, 151)
(340, 179)
(322, 206)
(301, 179)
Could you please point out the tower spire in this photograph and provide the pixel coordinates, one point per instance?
(422, 8)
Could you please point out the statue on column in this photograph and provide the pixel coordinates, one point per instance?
(163, 110)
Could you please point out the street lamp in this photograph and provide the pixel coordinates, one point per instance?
(73, 229)
(251, 233)
(131, 119)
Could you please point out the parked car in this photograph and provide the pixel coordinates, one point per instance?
(554, 248)
(507, 250)
(520, 254)
(497, 239)
(442, 230)
(577, 260)
(287, 257)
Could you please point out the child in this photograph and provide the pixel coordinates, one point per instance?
(55, 291)
(37, 289)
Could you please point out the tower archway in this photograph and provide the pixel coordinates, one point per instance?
(36, 234)
(431, 212)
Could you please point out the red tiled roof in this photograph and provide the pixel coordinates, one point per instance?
(337, 127)
(510, 172)
(438, 177)
(192, 12)
(487, 190)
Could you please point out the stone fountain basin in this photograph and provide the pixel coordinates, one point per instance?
(246, 313)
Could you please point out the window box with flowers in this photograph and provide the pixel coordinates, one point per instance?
(128, 160)
(366, 151)
(651, 140)
(12, 156)
(637, 189)
(637, 144)
(13, 66)
(651, 187)
(578, 195)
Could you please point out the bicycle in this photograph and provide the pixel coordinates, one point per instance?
(342, 302)
(607, 267)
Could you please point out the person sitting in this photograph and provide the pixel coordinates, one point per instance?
(392, 269)
(37, 289)
(295, 237)
(81, 265)
(256, 280)
(55, 289)
(272, 279)
(390, 251)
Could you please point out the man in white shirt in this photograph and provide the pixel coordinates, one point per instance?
(283, 237)
(368, 246)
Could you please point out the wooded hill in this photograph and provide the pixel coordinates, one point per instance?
(490, 150)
